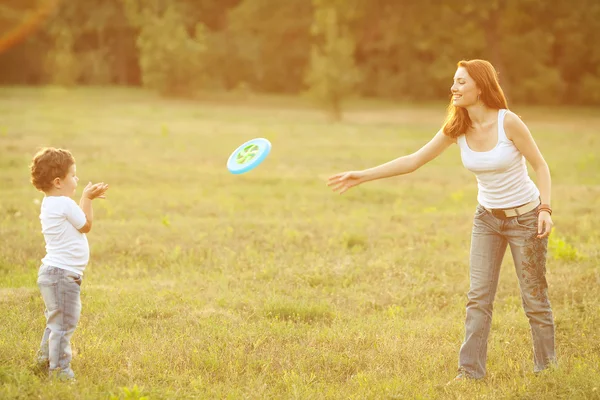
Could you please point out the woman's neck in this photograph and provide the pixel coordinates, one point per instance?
(481, 115)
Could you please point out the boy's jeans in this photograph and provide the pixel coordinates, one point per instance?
(60, 290)
(490, 236)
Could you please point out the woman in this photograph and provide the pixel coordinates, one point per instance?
(494, 144)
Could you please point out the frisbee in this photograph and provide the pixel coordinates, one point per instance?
(248, 156)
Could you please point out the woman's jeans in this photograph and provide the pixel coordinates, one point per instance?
(490, 236)
(60, 290)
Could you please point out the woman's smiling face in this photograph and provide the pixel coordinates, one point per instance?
(464, 90)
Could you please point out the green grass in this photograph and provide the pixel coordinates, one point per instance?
(203, 284)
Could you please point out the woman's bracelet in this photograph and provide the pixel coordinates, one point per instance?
(544, 207)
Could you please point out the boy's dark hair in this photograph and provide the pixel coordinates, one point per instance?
(48, 164)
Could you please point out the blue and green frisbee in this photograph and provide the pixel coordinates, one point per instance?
(248, 156)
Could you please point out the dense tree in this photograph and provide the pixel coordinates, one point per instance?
(171, 58)
(545, 52)
(333, 74)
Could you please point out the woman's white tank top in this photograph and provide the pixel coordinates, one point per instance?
(502, 178)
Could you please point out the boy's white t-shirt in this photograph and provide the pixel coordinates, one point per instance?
(66, 247)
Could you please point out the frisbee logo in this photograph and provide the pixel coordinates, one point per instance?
(247, 154)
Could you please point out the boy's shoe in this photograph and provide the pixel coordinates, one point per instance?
(65, 375)
(41, 366)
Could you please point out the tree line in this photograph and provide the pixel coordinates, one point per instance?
(546, 51)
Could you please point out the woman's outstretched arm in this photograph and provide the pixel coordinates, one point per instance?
(400, 166)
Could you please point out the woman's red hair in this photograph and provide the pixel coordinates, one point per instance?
(486, 78)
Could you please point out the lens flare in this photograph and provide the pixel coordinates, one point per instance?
(29, 25)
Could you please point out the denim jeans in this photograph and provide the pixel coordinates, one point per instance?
(489, 239)
(61, 293)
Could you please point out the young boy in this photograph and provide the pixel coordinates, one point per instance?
(64, 225)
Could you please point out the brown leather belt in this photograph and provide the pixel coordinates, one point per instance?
(514, 212)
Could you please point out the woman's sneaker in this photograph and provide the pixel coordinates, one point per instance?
(460, 378)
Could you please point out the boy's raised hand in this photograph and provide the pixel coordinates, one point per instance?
(95, 191)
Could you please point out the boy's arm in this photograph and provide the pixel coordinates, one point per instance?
(90, 193)
(86, 205)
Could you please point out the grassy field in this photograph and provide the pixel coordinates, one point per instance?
(203, 284)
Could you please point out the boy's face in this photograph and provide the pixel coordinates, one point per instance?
(68, 184)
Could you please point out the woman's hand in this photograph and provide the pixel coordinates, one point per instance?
(545, 224)
(345, 180)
